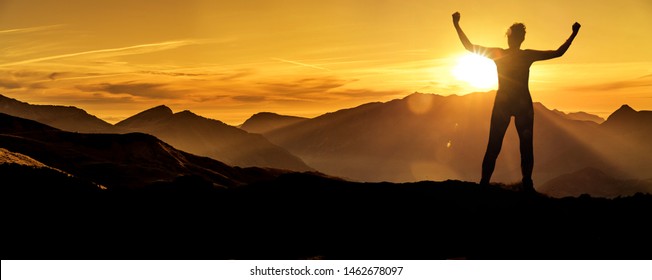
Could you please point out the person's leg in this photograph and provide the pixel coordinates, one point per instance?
(524, 125)
(499, 122)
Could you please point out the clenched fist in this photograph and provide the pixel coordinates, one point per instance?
(456, 17)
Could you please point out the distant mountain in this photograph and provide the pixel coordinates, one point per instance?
(580, 116)
(117, 160)
(594, 182)
(419, 137)
(630, 122)
(432, 137)
(265, 122)
(212, 138)
(62, 117)
(629, 135)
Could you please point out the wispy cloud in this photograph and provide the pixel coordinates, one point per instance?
(644, 81)
(8, 84)
(249, 98)
(300, 88)
(173, 74)
(30, 29)
(130, 50)
(300, 64)
(147, 90)
(73, 76)
(358, 93)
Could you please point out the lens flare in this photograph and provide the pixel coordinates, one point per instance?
(477, 71)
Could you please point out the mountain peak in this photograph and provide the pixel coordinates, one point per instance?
(628, 121)
(152, 115)
(625, 108)
(187, 113)
(624, 113)
(267, 121)
(417, 94)
(161, 109)
(264, 115)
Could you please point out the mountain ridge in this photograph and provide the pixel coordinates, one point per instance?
(212, 138)
(266, 121)
(117, 160)
(68, 118)
(433, 137)
(419, 137)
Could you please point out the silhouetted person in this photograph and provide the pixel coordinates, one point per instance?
(513, 96)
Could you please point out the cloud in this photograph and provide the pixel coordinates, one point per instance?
(206, 98)
(21, 79)
(235, 75)
(174, 74)
(147, 90)
(203, 73)
(357, 93)
(249, 98)
(7, 84)
(30, 29)
(300, 64)
(54, 76)
(94, 99)
(643, 81)
(302, 86)
(111, 52)
(23, 74)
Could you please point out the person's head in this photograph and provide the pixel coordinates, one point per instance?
(516, 35)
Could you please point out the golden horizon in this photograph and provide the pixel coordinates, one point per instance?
(228, 60)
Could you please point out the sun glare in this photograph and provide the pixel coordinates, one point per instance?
(477, 71)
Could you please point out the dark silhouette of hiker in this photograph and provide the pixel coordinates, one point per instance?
(513, 96)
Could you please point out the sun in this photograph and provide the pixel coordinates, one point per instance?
(477, 71)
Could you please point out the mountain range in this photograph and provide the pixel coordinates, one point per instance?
(419, 137)
(72, 195)
(129, 160)
(432, 137)
(63, 117)
(207, 137)
(580, 116)
(183, 130)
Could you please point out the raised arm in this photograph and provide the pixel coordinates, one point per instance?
(488, 52)
(543, 55)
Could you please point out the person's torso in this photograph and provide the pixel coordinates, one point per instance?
(513, 67)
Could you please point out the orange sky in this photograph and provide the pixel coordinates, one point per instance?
(230, 59)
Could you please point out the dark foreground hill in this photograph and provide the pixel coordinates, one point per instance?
(117, 160)
(594, 182)
(297, 216)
